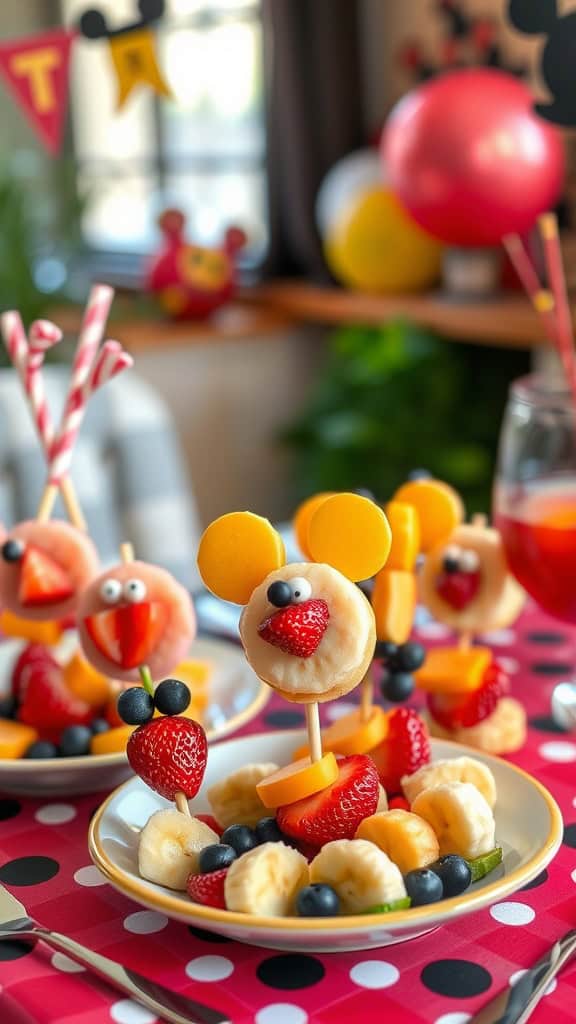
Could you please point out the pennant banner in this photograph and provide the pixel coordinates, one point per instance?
(36, 72)
(134, 57)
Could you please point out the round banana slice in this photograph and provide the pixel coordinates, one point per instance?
(266, 880)
(503, 732)
(460, 816)
(362, 875)
(406, 838)
(451, 769)
(235, 800)
(169, 847)
(338, 642)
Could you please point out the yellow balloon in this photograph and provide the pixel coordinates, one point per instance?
(375, 246)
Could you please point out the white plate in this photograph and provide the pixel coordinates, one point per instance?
(236, 696)
(528, 827)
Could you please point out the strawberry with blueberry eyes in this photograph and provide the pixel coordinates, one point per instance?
(459, 580)
(299, 624)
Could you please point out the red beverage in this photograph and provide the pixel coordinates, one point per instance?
(538, 529)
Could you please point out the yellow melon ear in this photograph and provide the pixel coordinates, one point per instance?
(302, 517)
(350, 533)
(237, 551)
(438, 506)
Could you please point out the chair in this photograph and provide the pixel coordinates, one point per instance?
(127, 467)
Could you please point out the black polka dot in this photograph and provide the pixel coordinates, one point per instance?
(28, 870)
(290, 971)
(9, 809)
(552, 668)
(199, 933)
(457, 978)
(282, 717)
(545, 723)
(13, 949)
(539, 880)
(546, 638)
(570, 835)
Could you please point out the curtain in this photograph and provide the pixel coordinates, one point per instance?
(313, 118)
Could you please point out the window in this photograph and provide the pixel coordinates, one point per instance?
(202, 151)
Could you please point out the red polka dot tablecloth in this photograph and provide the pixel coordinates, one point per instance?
(439, 978)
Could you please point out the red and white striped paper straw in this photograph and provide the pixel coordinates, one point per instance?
(15, 339)
(42, 335)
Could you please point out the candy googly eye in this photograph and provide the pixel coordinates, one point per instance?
(469, 561)
(451, 558)
(134, 591)
(279, 594)
(111, 591)
(13, 550)
(300, 590)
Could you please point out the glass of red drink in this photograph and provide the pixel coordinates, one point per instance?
(535, 493)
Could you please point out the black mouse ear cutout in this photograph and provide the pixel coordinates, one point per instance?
(533, 17)
(93, 24)
(151, 10)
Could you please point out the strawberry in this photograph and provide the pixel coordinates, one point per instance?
(458, 589)
(405, 748)
(297, 629)
(32, 654)
(169, 754)
(208, 889)
(47, 703)
(398, 803)
(126, 635)
(210, 820)
(335, 812)
(42, 580)
(461, 711)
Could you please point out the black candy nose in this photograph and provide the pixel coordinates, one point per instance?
(279, 594)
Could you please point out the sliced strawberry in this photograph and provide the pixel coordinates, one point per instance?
(210, 820)
(32, 654)
(208, 889)
(398, 803)
(405, 748)
(462, 711)
(127, 635)
(169, 754)
(297, 629)
(458, 589)
(335, 812)
(47, 703)
(42, 580)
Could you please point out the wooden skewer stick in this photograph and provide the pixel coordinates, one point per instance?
(127, 552)
(466, 636)
(314, 734)
(47, 501)
(181, 802)
(367, 694)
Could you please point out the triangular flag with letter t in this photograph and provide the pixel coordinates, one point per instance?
(36, 72)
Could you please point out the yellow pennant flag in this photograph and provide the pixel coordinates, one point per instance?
(134, 58)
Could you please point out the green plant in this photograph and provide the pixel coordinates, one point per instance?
(394, 398)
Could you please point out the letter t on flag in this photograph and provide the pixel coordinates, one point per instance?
(36, 72)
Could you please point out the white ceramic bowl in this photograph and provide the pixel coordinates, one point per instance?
(236, 696)
(528, 827)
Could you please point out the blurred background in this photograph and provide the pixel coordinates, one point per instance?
(296, 373)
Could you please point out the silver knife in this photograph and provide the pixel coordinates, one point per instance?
(515, 1004)
(16, 926)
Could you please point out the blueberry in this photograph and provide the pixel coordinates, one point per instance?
(385, 650)
(317, 901)
(98, 725)
(423, 886)
(454, 873)
(240, 837)
(397, 686)
(408, 657)
(75, 741)
(12, 550)
(215, 857)
(8, 706)
(135, 706)
(41, 749)
(172, 697)
(419, 474)
(267, 831)
(279, 594)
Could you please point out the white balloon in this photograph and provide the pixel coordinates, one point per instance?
(352, 175)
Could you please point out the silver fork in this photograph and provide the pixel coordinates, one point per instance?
(17, 926)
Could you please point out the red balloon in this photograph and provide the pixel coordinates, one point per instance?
(470, 159)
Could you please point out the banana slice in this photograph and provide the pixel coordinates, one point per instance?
(460, 816)
(170, 843)
(503, 732)
(266, 880)
(406, 838)
(453, 769)
(235, 800)
(362, 875)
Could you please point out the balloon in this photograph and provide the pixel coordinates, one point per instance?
(470, 159)
(375, 246)
(344, 182)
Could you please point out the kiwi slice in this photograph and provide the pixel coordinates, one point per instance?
(386, 908)
(483, 865)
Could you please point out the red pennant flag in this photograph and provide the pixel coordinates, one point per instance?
(36, 72)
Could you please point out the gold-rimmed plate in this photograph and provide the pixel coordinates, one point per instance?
(528, 827)
(236, 696)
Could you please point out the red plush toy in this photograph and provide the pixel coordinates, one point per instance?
(192, 280)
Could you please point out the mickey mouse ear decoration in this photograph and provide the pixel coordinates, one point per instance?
(132, 48)
(557, 68)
